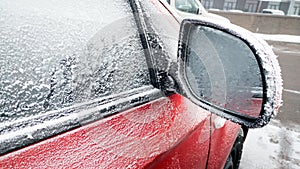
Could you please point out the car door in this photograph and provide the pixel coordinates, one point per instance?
(81, 88)
(223, 132)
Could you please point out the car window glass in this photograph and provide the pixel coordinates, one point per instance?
(189, 6)
(166, 29)
(54, 54)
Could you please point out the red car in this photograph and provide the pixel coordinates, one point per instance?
(128, 84)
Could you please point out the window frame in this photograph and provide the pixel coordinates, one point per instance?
(230, 4)
(208, 3)
(274, 5)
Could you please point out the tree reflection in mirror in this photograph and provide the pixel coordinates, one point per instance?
(222, 70)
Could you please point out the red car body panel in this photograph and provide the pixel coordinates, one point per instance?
(221, 143)
(169, 132)
(222, 139)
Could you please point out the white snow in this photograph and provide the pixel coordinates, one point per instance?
(274, 146)
(280, 38)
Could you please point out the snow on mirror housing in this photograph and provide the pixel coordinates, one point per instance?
(226, 70)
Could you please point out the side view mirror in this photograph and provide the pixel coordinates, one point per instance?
(226, 70)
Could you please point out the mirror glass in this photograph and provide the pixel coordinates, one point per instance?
(221, 69)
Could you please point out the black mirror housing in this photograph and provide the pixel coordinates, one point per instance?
(225, 69)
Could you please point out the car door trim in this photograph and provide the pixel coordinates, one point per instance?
(20, 133)
(141, 25)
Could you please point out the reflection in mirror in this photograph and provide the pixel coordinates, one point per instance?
(222, 70)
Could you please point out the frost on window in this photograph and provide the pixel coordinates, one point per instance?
(54, 54)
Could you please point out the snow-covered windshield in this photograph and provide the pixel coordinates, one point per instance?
(54, 54)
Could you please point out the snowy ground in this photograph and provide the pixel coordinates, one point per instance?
(275, 146)
(272, 147)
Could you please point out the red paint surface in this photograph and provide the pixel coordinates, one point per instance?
(222, 141)
(167, 132)
(190, 153)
